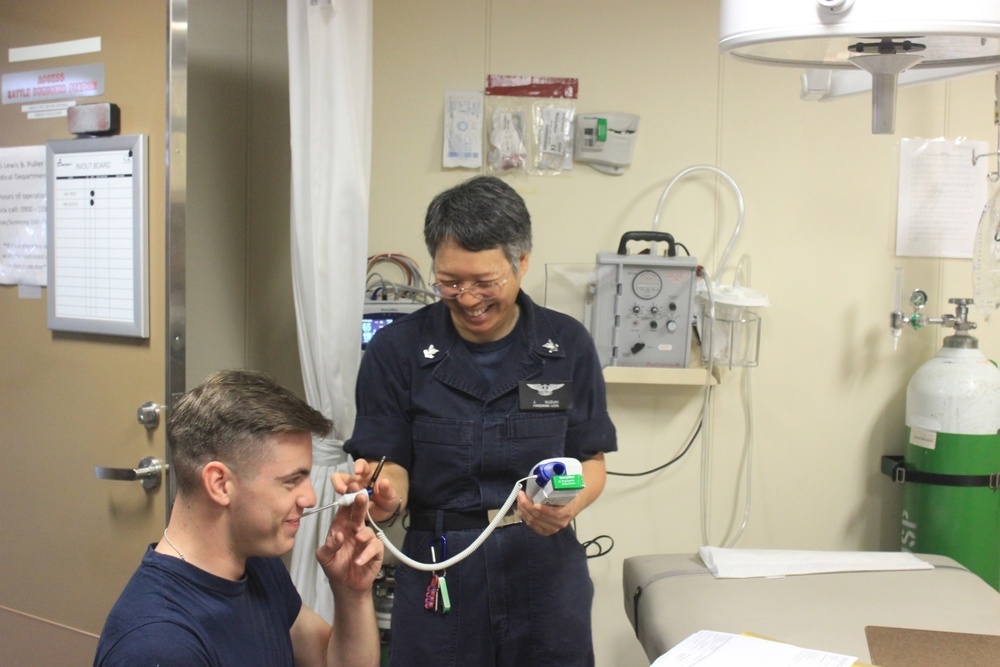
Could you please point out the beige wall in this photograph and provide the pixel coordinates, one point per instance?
(820, 194)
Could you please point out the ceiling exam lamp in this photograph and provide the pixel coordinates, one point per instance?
(885, 42)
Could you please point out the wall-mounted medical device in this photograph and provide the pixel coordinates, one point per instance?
(378, 314)
(605, 141)
(643, 308)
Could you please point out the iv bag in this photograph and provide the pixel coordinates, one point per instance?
(986, 258)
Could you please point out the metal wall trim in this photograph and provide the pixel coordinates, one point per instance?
(176, 156)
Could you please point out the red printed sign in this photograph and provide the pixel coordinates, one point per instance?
(53, 84)
(532, 86)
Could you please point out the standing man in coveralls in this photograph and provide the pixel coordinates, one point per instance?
(446, 395)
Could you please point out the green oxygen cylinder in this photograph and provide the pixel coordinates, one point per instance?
(953, 449)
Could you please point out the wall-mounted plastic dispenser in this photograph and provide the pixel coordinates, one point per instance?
(605, 141)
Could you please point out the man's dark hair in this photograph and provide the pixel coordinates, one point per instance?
(230, 417)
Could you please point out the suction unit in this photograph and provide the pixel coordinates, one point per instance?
(643, 305)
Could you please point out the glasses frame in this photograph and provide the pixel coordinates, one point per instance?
(473, 288)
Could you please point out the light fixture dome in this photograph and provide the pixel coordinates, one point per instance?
(882, 37)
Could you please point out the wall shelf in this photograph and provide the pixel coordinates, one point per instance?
(664, 376)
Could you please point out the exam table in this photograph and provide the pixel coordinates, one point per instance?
(671, 596)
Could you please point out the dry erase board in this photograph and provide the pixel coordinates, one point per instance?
(97, 236)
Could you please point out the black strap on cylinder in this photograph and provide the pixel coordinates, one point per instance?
(896, 469)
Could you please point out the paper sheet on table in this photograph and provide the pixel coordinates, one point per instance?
(722, 649)
(745, 563)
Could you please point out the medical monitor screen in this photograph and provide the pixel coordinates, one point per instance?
(378, 314)
(372, 322)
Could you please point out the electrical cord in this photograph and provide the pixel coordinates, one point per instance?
(409, 267)
(397, 289)
(596, 542)
(669, 463)
(377, 287)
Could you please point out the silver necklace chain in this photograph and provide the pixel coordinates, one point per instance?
(172, 546)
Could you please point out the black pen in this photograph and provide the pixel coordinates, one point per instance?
(371, 482)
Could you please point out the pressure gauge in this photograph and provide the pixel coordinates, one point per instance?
(918, 299)
(647, 285)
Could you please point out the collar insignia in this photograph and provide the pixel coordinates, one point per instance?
(431, 351)
(551, 347)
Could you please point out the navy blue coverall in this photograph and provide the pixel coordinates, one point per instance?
(520, 598)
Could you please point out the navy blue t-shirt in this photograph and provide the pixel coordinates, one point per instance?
(174, 614)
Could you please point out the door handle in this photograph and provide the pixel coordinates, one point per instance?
(149, 473)
(148, 415)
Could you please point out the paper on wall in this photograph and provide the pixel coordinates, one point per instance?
(463, 130)
(942, 191)
(23, 215)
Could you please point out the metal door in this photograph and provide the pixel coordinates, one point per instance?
(71, 401)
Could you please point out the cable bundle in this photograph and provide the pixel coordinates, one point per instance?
(378, 288)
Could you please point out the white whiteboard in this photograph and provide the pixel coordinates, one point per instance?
(98, 278)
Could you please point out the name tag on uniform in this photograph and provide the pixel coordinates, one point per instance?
(541, 397)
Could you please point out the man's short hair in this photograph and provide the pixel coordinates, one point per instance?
(481, 213)
(230, 417)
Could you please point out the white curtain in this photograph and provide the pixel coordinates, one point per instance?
(330, 73)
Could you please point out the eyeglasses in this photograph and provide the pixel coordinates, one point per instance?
(484, 289)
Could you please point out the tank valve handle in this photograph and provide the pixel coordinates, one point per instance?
(918, 299)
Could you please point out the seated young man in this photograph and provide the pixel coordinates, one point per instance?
(214, 590)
